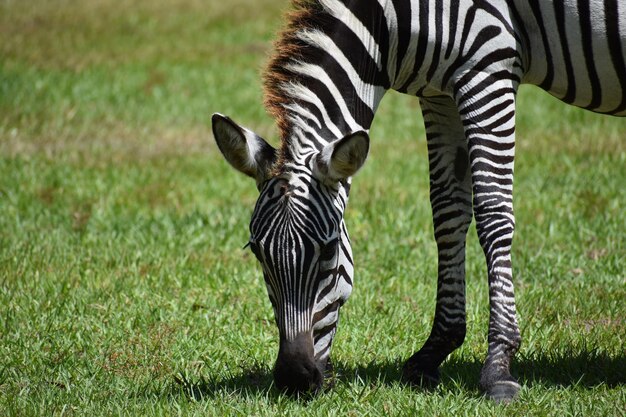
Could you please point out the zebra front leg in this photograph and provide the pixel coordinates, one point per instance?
(450, 196)
(488, 114)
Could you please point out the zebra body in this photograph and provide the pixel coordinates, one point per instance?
(464, 60)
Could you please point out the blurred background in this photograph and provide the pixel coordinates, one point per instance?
(128, 71)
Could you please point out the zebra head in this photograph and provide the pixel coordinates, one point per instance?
(298, 235)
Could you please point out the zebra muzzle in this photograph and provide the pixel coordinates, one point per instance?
(296, 370)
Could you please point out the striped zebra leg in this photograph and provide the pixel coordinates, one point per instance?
(451, 200)
(487, 109)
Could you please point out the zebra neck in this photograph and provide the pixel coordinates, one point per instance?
(326, 78)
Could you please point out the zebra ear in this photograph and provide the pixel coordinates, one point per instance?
(246, 151)
(342, 158)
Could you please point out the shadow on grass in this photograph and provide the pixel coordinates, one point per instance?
(583, 369)
(258, 380)
(253, 380)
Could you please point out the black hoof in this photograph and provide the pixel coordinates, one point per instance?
(498, 384)
(503, 391)
(417, 374)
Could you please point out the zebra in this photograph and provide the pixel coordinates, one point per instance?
(464, 60)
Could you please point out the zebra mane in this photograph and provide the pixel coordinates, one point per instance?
(304, 14)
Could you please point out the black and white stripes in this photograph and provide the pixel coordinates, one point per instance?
(576, 51)
(464, 60)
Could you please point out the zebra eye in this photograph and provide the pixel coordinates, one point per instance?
(255, 249)
(328, 250)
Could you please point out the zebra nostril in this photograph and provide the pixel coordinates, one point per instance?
(298, 377)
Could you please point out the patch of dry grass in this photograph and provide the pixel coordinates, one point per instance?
(112, 144)
(65, 34)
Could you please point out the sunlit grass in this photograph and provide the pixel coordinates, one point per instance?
(123, 285)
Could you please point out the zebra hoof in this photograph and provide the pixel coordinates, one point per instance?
(416, 374)
(498, 384)
(503, 392)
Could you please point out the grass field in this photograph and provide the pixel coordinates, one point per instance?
(123, 286)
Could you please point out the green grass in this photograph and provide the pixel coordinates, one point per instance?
(123, 286)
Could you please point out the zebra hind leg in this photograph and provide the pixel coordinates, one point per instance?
(451, 203)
